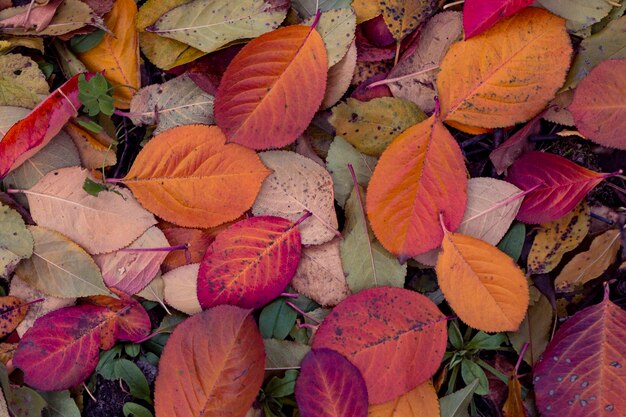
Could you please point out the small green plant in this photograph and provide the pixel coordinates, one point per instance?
(95, 95)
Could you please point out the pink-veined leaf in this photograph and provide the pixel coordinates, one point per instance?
(330, 386)
(557, 184)
(480, 15)
(250, 263)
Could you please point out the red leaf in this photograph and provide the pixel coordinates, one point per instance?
(330, 386)
(480, 15)
(272, 88)
(250, 263)
(395, 337)
(517, 145)
(61, 349)
(583, 370)
(212, 366)
(26, 137)
(559, 185)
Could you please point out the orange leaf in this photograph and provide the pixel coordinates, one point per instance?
(421, 174)
(483, 285)
(272, 88)
(514, 406)
(507, 74)
(188, 176)
(118, 53)
(12, 312)
(212, 366)
(420, 402)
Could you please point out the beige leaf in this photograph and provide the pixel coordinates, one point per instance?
(590, 264)
(339, 78)
(9, 115)
(96, 150)
(21, 81)
(130, 271)
(155, 290)
(415, 76)
(19, 288)
(556, 238)
(320, 274)
(298, 185)
(16, 242)
(181, 286)
(336, 27)
(100, 224)
(59, 267)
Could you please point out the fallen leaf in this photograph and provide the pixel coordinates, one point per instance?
(535, 329)
(456, 404)
(130, 271)
(9, 115)
(31, 133)
(284, 353)
(419, 402)
(223, 365)
(555, 184)
(372, 125)
(340, 154)
(16, 241)
(12, 312)
(250, 263)
(414, 77)
(176, 102)
(21, 81)
(557, 111)
(308, 8)
(480, 15)
(579, 13)
(208, 25)
(320, 274)
(339, 78)
(576, 379)
(7, 44)
(336, 27)
(128, 319)
(558, 237)
(404, 16)
(514, 406)
(60, 404)
(517, 145)
(599, 105)
(513, 241)
(21, 289)
(273, 110)
(37, 17)
(103, 223)
(163, 52)
(498, 287)
(296, 185)
(590, 264)
(330, 386)
(198, 155)
(117, 55)
(530, 49)
(419, 176)
(96, 150)
(154, 291)
(197, 241)
(360, 328)
(365, 10)
(181, 288)
(59, 267)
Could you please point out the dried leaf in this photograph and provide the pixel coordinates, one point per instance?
(222, 365)
(307, 8)
(296, 185)
(273, 110)
(16, 241)
(96, 150)
(198, 155)
(197, 242)
(330, 386)
(517, 145)
(21, 81)
(514, 406)
(320, 275)
(250, 263)
(59, 267)
(535, 329)
(209, 25)
(530, 49)
(174, 103)
(117, 55)
(372, 125)
(404, 16)
(498, 287)
(420, 176)
(181, 288)
(37, 17)
(590, 379)
(558, 237)
(360, 326)
(284, 353)
(420, 402)
(415, 75)
(336, 27)
(579, 13)
(100, 224)
(590, 264)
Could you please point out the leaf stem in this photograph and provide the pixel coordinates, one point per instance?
(302, 312)
(454, 3)
(182, 246)
(289, 295)
(602, 219)
(502, 203)
(306, 215)
(402, 77)
(521, 356)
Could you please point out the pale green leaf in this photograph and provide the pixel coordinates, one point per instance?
(308, 8)
(456, 404)
(60, 404)
(281, 354)
(578, 13)
(16, 242)
(21, 81)
(336, 27)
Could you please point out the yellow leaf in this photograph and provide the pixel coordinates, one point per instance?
(419, 402)
(506, 75)
(483, 285)
(118, 53)
(556, 238)
(404, 16)
(590, 264)
(365, 10)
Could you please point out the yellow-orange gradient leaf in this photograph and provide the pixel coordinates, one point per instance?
(189, 176)
(483, 285)
(118, 53)
(507, 74)
(420, 175)
(419, 402)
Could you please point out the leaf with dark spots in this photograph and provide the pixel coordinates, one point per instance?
(12, 311)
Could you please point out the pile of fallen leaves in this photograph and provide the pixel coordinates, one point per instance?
(309, 208)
